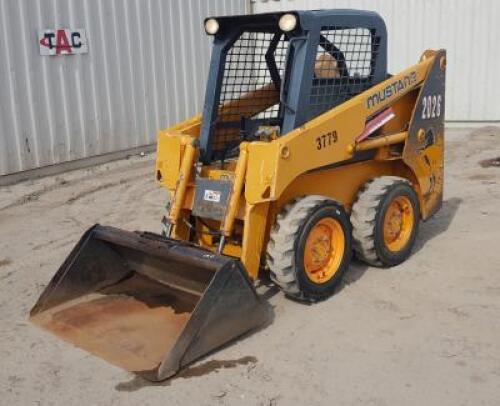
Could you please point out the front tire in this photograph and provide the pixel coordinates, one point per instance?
(310, 248)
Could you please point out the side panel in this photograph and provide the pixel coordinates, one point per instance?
(262, 162)
(424, 148)
(343, 183)
(325, 140)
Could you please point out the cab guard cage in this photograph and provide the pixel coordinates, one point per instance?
(329, 57)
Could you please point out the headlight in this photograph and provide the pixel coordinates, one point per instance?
(287, 22)
(211, 26)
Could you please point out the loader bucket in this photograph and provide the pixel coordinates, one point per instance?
(148, 304)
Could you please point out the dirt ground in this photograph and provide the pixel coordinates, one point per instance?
(426, 332)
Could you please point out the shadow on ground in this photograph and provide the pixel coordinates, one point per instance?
(437, 224)
(205, 368)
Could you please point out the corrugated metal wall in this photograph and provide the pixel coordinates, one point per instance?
(148, 59)
(468, 29)
(145, 69)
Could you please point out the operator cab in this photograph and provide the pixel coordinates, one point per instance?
(271, 73)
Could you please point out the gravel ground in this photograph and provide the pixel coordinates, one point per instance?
(425, 332)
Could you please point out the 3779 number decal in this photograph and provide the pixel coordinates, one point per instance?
(431, 106)
(326, 140)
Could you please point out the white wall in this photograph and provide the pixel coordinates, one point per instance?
(145, 68)
(468, 29)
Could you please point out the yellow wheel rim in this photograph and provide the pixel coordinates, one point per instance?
(324, 250)
(398, 223)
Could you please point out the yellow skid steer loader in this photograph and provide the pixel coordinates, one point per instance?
(306, 151)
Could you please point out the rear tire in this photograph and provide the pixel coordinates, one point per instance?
(385, 221)
(309, 248)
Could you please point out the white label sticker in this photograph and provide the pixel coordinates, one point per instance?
(211, 196)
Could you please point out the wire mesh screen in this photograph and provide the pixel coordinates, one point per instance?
(250, 88)
(344, 66)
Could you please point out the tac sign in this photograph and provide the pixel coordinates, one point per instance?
(62, 42)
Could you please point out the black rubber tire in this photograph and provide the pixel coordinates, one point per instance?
(285, 251)
(367, 219)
